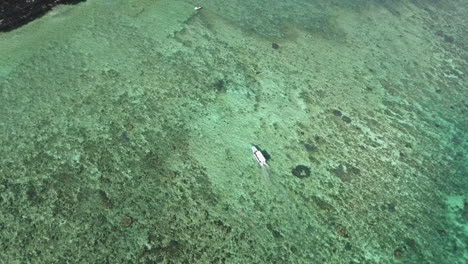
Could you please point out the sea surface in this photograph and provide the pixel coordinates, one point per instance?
(126, 133)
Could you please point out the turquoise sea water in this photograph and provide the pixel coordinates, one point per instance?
(126, 130)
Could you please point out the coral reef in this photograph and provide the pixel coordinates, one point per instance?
(126, 130)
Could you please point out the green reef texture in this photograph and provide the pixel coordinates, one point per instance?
(126, 129)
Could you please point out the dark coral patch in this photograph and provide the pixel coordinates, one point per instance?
(398, 253)
(465, 211)
(348, 246)
(220, 86)
(301, 171)
(391, 207)
(346, 119)
(342, 231)
(309, 147)
(336, 112)
(322, 204)
(346, 172)
(449, 39)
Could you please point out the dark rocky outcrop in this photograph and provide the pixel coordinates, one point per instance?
(16, 13)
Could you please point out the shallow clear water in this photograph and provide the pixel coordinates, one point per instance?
(127, 126)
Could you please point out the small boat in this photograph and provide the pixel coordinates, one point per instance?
(259, 157)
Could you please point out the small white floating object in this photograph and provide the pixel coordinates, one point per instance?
(259, 157)
(198, 8)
